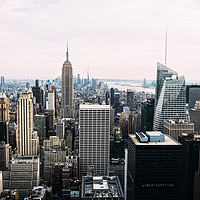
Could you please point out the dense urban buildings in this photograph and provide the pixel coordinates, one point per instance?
(77, 137)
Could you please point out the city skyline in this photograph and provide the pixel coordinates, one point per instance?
(103, 35)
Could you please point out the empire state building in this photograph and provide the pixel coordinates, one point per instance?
(67, 88)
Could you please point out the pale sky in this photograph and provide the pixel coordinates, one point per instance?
(121, 39)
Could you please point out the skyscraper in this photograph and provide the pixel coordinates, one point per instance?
(130, 97)
(4, 108)
(170, 100)
(94, 138)
(154, 167)
(37, 92)
(2, 81)
(88, 76)
(24, 123)
(112, 98)
(147, 114)
(67, 87)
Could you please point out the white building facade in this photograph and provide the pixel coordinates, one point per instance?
(94, 138)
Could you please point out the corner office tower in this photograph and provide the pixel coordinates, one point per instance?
(67, 88)
(170, 100)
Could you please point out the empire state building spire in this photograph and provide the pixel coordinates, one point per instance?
(67, 54)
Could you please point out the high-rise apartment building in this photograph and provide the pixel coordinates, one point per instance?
(4, 108)
(94, 138)
(25, 123)
(67, 87)
(154, 167)
(170, 100)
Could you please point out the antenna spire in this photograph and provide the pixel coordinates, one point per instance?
(67, 54)
(166, 48)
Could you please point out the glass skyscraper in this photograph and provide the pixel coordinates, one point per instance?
(170, 100)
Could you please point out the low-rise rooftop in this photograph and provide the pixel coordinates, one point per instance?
(98, 187)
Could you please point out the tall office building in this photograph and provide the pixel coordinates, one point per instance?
(88, 76)
(170, 100)
(67, 87)
(130, 97)
(147, 115)
(2, 81)
(60, 129)
(154, 167)
(94, 138)
(4, 108)
(4, 133)
(51, 100)
(24, 123)
(112, 98)
(40, 125)
(78, 79)
(53, 88)
(37, 92)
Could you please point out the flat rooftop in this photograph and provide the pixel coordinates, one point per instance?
(98, 187)
(94, 106)
(178, 122)
(168, 141)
